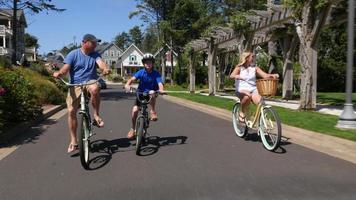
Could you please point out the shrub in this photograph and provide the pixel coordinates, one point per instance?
(115, 78)
(46, 92)
(40, 68)
(5, 62)
(18, 102)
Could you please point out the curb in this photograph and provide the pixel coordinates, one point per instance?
(333, 146)
(8, 135)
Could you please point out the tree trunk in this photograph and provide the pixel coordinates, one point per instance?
(289, 50)
(312, 22)
(163, 65)
(222, 65)
(14, 32)
(212, 68)
(191, 73)
(272, 52)
(172, 57)
(307, 59)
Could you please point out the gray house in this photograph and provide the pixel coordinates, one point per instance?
(110, 53)
(6, 34)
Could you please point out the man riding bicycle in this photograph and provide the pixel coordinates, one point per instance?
(150, 79)
(81, 65)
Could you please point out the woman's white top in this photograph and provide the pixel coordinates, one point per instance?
(248, 74)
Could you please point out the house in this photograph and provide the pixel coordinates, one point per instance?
(130, 61)
(110, 53)
(55, 60)
(31, 54)
(167, 50)
(6, 34)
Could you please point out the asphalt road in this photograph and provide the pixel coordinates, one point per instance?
(191, 155)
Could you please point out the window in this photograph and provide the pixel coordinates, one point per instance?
(133, 58)
(112, 54)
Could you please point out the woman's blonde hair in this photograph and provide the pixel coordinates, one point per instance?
(243, 58)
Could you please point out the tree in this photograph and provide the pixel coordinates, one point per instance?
(31, 41)
(122, 40)
(136, 36)
(149, 41)
(66, 49)
(34, 6)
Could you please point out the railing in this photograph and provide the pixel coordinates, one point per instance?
(4, 30)
(5, 51)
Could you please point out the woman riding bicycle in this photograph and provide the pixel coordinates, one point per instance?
(150, 79)
(244, 75)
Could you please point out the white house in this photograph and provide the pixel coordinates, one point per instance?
(6, 34)
(130, 61)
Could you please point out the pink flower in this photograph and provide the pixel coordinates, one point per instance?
(2, 91)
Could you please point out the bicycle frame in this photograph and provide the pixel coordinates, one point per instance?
(257, 116)
(143, 111)
(84, 110)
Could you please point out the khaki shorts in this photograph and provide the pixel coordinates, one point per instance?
(73, 97)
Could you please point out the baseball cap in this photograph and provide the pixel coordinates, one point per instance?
(90, 37)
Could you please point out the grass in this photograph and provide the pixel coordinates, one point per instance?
(334, 99)
(309, 120)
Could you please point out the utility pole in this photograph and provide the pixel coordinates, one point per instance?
(347, 119)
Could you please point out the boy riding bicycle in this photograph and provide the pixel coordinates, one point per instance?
(150, 79)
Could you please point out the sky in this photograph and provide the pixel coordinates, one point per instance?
(103, 18)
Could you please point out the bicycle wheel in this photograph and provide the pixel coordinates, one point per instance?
(84, 142)
(270, 129)
(139, 134)
(239, 127)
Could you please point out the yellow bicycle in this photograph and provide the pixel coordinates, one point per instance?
(264, 118)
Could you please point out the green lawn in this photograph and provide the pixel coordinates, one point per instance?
(335, 99)
(309, 120)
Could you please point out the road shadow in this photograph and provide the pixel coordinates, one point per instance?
(254, 137)
(153, 143)
(26, 132)
(103, 150)
(114, 95)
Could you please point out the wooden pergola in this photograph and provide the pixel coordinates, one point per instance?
(225, 40)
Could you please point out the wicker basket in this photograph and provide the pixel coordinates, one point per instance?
(267, 87)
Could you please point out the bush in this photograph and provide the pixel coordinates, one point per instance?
(18, 102)
(40, 68)
(5, 62)
(115, 78)
(45, 90)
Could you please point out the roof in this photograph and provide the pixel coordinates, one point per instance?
(101, 48)
(129, 48)
(9, 13)
(162, 48)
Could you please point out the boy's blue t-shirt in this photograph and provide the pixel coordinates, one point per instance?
(148, 81)
(82, 67)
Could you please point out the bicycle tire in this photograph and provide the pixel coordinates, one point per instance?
(270, 129)
(83, 144)
(239, 127)
(139, 134)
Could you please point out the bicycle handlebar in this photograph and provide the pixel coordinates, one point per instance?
(78, 84)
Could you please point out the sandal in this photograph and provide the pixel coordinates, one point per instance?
(131, 134)
(242, 118)
(72, 147)
(154, 116)
(98, 122)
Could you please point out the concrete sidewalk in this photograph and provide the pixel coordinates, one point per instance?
(333, 146)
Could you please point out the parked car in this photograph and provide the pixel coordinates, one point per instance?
(102, 84)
